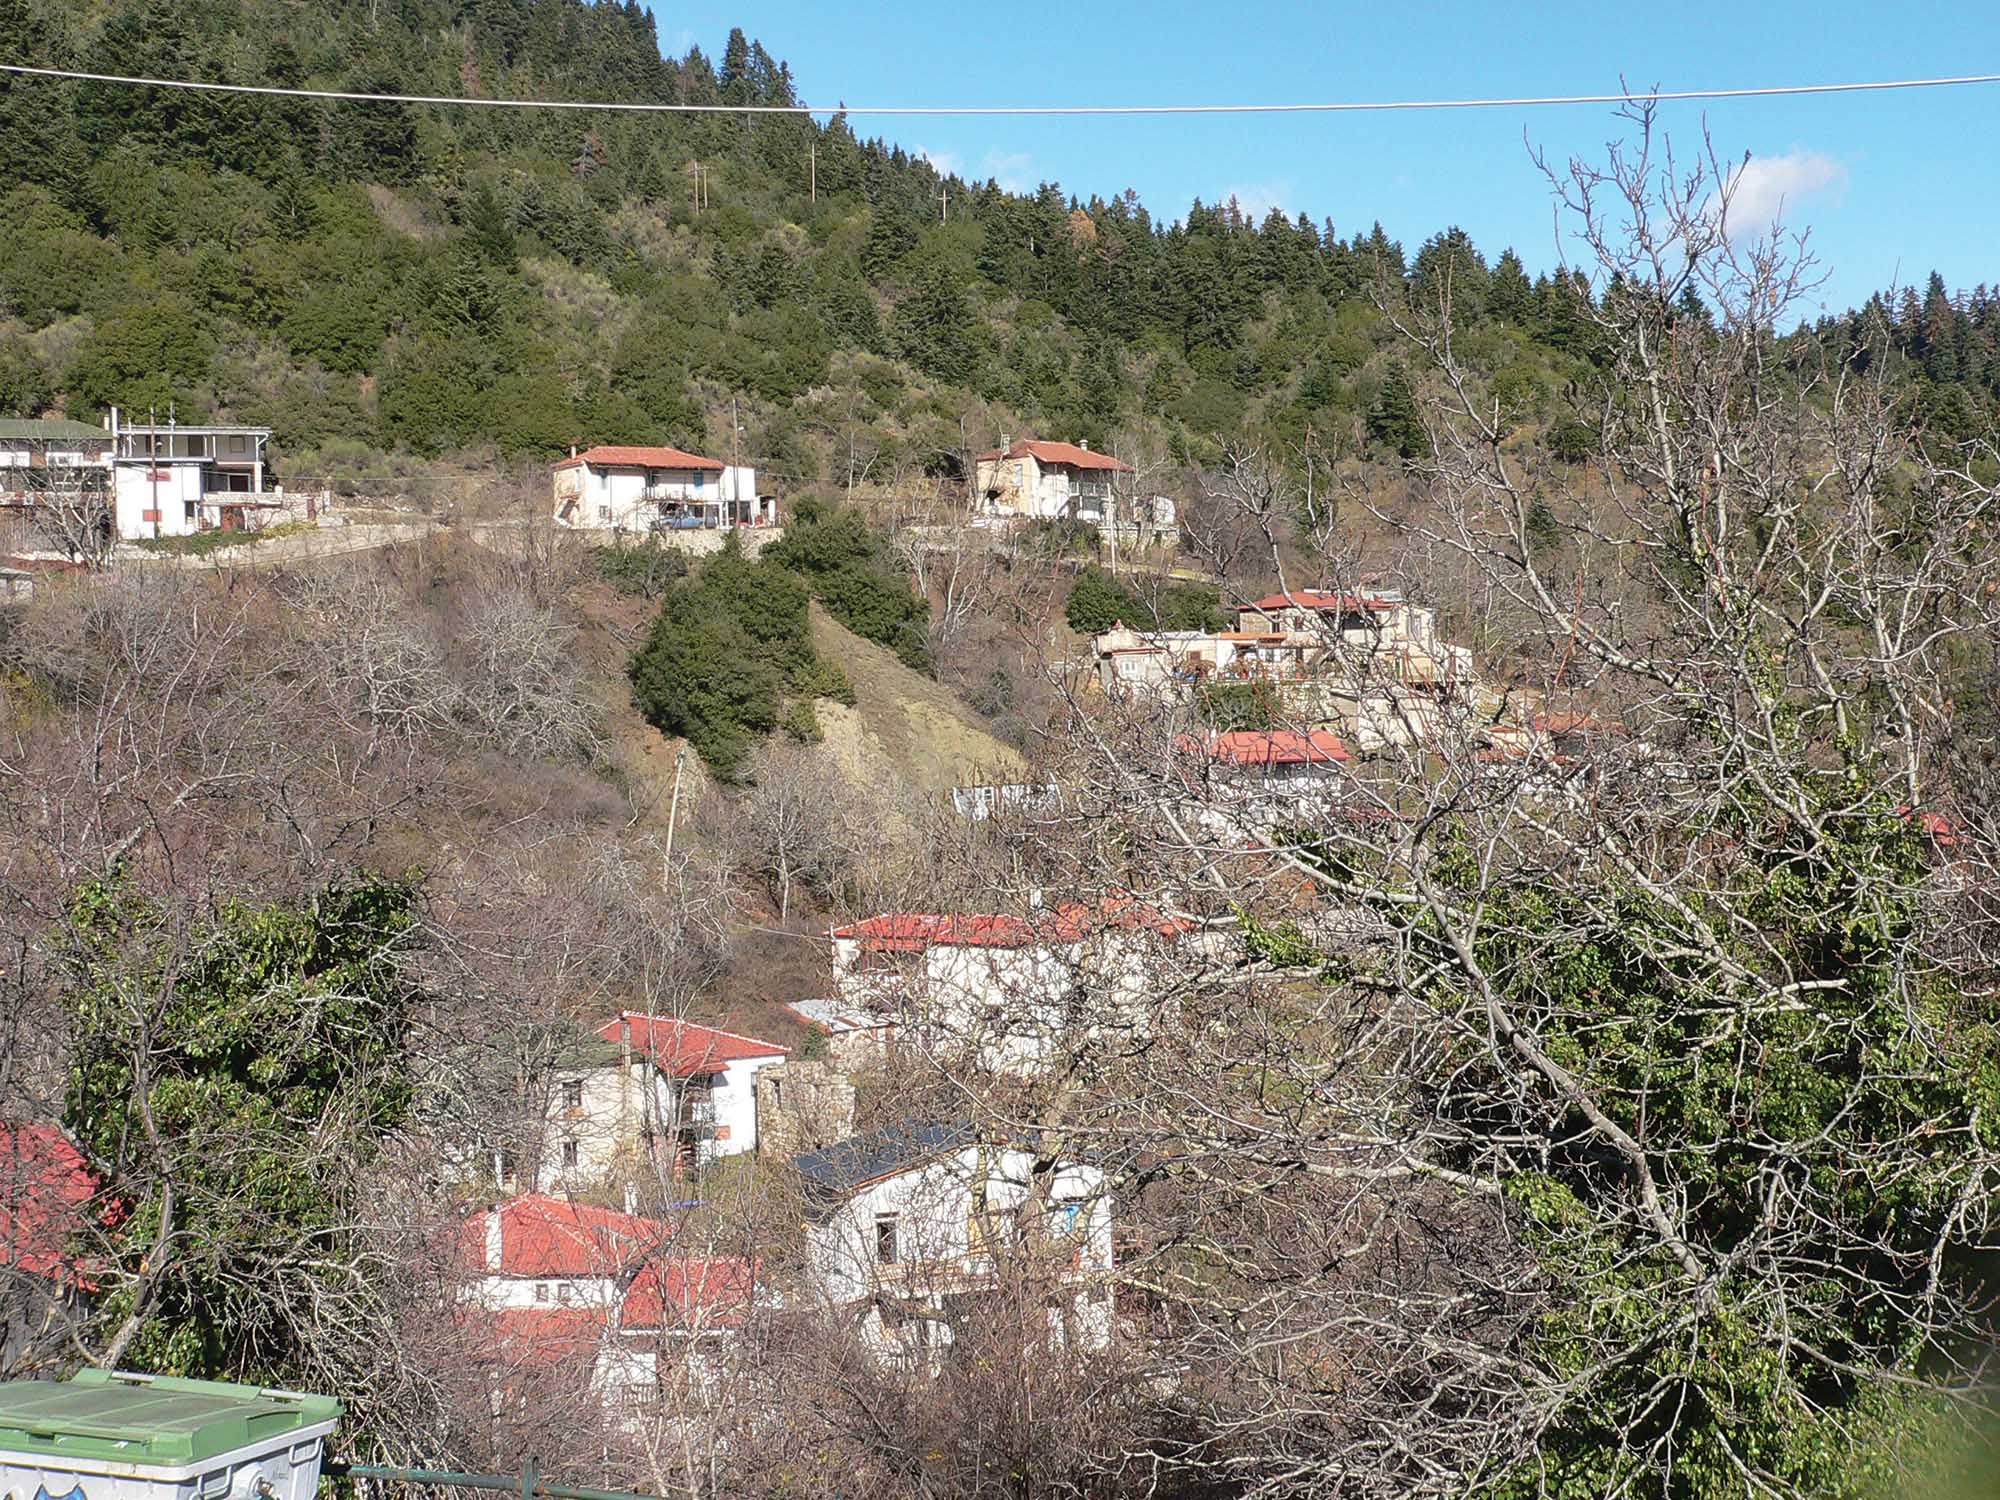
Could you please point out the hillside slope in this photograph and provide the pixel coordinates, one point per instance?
(904, 726)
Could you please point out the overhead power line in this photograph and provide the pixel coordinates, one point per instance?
(1352, 106)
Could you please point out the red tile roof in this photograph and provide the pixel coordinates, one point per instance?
(46, 1192)
(1066, 922)
(1275, 747)
(1935, 826)
(1069, 455)
(617, 456)
(553, 1237)
(684, 1048)
(1321, 599)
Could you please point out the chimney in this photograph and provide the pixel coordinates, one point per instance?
(1084, 445)
(494, 1243)
(572, 450)
(1034, 898)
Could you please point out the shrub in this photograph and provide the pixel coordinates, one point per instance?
(728, 649)
(642, 570)
(1239, 705)
(852, 572)
(1571, 442)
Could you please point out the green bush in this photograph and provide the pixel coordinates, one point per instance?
(1571, 442)
(1097, 601)
(729, 658)
(642, 570)
(1239, 705)
(853, 573)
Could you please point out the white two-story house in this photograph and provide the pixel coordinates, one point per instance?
(630, 488)
(1050, 480)
(651, 1097)
(172, 479)
(929, 1225)
(1018, 991)
(548, 1282)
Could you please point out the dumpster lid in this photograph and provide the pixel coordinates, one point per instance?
(148, 1419)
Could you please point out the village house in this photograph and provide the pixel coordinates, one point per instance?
(1050, 481)
(1014, 990)
(627, 488)
(546, 1281)
(49, 1205)
(927, 1226)
(1273, 761)
(1370, 667)
(651, 1097)
(173, 479)
(1379, 632)
(38, 455)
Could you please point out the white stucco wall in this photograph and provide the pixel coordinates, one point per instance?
(609, 1121)
(1065, 1231)
(630, 498)
(136, 492)
(736, 1105)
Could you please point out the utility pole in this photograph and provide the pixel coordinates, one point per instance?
(735, 458)
(153, 463)
(673, 817)
(944, 203)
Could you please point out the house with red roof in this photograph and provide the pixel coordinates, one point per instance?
(1042, 480)
(47, 1203)
(548, 1282)
(1017, 990)
(626, 487)
(648, 1097)
(52, 1209)
(1274, 757)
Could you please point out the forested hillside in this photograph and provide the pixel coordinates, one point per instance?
(372, 279)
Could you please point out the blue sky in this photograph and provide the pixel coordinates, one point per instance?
(1893, 185)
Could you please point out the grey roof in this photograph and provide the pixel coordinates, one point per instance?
(49, 430)
(837, 1018)
(835, 1173)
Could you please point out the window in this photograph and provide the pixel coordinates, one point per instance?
(604, 514)
(572, 1093)
(885, 1239)
(197, 447)
(777, 1093)
(187, 510)
(238, 443)
(541, 1291)
(569, 1156)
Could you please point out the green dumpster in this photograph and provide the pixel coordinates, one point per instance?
(109, 1435)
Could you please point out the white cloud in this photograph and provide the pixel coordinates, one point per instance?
(1257, 199)
(1768, 190)
(946, 163)
(1013, 170)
